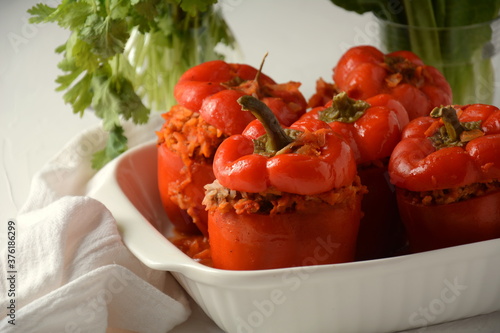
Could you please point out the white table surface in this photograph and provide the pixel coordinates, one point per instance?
(304, 39)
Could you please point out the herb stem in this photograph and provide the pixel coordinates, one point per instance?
(424, 38)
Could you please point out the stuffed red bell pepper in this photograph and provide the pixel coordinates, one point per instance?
(323, 93)
(287, 198)
(447, 173)
(372, 128)
(364, 71)
(207, 113)
(213, 87)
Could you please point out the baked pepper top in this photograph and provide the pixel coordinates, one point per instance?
(453, 147)
(307, 158)
(372, 127)
(213, 88)
(364, 71)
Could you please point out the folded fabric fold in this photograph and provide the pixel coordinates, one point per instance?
(73, 273)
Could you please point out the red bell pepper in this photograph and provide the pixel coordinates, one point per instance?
(323, 94)
(447, 170)
(185, 166)
(213, 87)
(237, 167)
(364, 71)
(372, 128)
(279, 197)
(206, 114)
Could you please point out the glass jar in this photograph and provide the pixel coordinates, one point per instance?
(468, 56)
(155, 60)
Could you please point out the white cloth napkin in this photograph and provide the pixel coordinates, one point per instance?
(73, 273)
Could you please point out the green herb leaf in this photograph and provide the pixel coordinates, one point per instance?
(65, 81)
(386, 9)
(119, 9)
(40, 13)
(79, 95)
(131, 106)
(106, 100)
(99, 73)
(73, 14)
(193, 7)
(107, 36)
(146, 8)
(114, 96)
(70, 14)
(115, 145)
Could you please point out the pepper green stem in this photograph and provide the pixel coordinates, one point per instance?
(344, 109)
(278, 139)
(450, 119)
(454, 133)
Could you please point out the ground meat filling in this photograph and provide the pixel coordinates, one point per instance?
(195, 141)
(276, 202)
(187, 134)
(448, 196)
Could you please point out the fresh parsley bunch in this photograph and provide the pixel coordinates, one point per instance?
(123, 54)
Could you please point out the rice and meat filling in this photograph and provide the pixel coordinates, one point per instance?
(276, 202)
(452, 195)
(187, 134)
(188, 145)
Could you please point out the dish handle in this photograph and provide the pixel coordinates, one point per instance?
(141, 238)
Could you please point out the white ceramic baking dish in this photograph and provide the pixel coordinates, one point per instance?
(384, 295)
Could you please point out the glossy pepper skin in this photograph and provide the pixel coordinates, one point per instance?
(372, 128)
(210, 91)
(237, 167)
(323, 234)
(364, 71)
(321, 162)
(185, 148)
(451, 154)
(213, 87)
(188, 215)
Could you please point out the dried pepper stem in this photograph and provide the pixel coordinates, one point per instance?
(278, 139)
